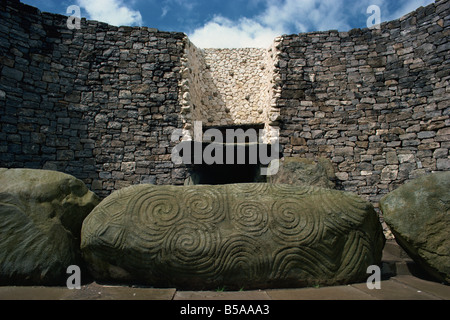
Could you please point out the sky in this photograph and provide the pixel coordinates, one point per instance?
(235, 23)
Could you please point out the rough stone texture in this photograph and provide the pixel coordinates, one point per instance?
(223, 87)
(238, 236)
(299, 171)
(101, 102)
(418, 214)
(229, 86)
(41, 213)
(375, 102)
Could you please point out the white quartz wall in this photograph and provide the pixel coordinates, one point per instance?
(228, 87)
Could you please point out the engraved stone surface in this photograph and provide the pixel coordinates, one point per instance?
(41, 213)
(237, 236)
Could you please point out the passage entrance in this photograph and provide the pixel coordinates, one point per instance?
(236, 162)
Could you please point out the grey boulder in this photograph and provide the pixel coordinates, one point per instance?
(41, 213)
(418, 214)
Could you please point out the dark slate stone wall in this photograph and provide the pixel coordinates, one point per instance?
(375, 102)
(99, 103)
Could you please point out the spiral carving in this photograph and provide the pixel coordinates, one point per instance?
(235, 235)
(156, 208)
(293, 222)
(237, 255)
(302, 261)
(205, 204)
(190, 248)
(251, 217)
(282, 190)
(248, 188)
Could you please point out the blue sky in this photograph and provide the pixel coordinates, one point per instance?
(234, 23)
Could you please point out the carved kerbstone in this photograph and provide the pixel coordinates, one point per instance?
(238, 236)
(41, 213)
(418, 213)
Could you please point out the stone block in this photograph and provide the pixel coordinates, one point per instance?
(128, 167)
(426, 134)
(97, 185)
(41, 213)
(343, 176)
(440, 153)
(51, 77)
(391, 157)
(418, 215)
(301, 171)
(65, 155)
(238, 236)
(74, 97)
(390, 172)
(344, 151)
(11, 73)
(443, 164)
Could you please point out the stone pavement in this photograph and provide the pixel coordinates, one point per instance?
(401, 280)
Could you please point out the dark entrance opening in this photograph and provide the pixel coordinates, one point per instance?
(239, 171)
(226, 174)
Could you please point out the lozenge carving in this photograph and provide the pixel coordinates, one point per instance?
(237, 236)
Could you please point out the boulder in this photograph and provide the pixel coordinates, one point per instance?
(234, 236)
(41, 213)
(418, 214)
(302, 171)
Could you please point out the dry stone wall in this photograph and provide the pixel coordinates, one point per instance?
(226, 87)
(241, 79)
(99, 103)
(375, 102)
(102, 102)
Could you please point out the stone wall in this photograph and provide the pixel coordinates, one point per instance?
(241, 79)
(226, 87)
(99, 103)
(375, 102)
(102, 102)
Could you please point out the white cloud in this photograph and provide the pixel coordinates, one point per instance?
(167, 5)
(165, 10)
(294, 16)
(221, 32)
(389, 10)
(114, 12)
(306, 15)
(278, 18)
